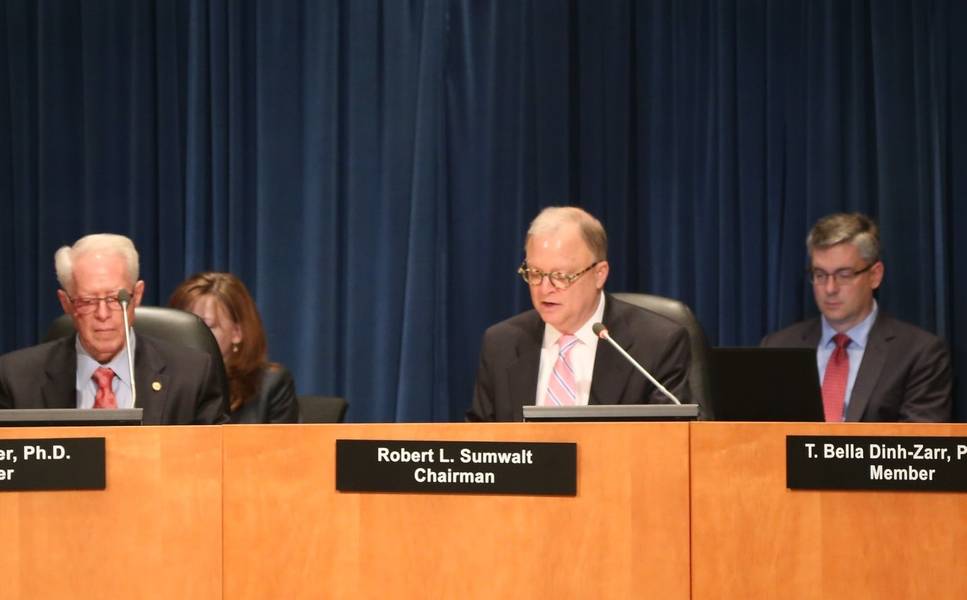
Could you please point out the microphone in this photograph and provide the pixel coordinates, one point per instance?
(124, 298)
(602, 332)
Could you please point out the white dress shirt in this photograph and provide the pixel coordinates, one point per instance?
(582, 357)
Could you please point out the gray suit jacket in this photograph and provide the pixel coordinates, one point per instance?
(44, 376)
(905, 374)
(511, 351)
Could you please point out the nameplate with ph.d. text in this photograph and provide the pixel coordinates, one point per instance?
(52, 464)
(524, 468)
(901, 463)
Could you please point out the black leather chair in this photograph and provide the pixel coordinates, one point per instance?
(322, 409)
(169, 324)
(698, 378)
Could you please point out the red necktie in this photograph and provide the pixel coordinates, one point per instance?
(104, 398)
(835, 379)
(561, 388)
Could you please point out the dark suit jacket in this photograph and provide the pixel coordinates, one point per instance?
(905, 374)
(274, 402)
(511, 351)
(44, 376)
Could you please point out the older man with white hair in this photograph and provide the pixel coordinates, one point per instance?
(175, 385)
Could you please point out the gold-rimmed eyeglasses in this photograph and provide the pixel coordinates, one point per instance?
(561, 281)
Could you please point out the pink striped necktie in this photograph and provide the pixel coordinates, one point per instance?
(835, 379)
(104, 398)
(562, 390)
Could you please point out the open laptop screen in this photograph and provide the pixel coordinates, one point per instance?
(766, 384)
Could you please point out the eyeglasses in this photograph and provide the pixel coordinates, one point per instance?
(85, 306)
(841, 277)
(561, 281)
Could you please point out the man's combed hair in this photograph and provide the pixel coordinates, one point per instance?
(103, 243)
(841, 228)
(553, 217)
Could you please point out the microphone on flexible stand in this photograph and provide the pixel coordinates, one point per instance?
(602, 332)
(124, 298)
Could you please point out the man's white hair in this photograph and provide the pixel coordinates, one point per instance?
(105, 243)
(553, 217)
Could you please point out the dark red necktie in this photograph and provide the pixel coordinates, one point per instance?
(104, 398)
(835, 379)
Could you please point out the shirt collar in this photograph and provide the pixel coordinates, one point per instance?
(858, 334)
(86, 365)
(585, 334)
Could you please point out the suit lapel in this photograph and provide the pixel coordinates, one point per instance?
(611, 370)
(59, 390)
(874, 357)
(522, 374)
(812, 333)
(150, 381)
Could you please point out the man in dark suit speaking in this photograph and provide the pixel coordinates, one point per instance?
(174, 384)
(872, 367)
(550, 355)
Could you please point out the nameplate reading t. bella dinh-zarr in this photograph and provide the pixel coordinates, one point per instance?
(523, 468)
(907, 463)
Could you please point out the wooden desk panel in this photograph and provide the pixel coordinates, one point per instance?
(155, 532)
(289, 534)
(754, 538)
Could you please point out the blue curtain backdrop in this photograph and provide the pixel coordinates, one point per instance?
(369, 168)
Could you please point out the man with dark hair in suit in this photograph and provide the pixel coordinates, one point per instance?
(872, 367)
(550, 355)
(174, 384)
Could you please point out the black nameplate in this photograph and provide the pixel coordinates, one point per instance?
(52, 464)
(456, 467)
(937, 464)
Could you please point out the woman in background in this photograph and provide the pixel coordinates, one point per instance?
(259, 391)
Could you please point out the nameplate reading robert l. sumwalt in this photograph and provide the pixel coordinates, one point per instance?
(902, 463)
(52, 464)
(525, 468)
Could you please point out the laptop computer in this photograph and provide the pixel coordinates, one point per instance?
(766, 384)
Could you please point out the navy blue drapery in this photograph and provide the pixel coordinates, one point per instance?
(369, 168)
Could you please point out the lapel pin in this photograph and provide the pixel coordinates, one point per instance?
(156, 386)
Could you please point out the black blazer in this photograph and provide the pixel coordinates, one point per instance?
(510, 361)
(188, 392)
(274, 402)
(905, 374)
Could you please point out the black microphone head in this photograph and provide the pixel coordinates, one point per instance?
(123, 296)
(599, 329)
